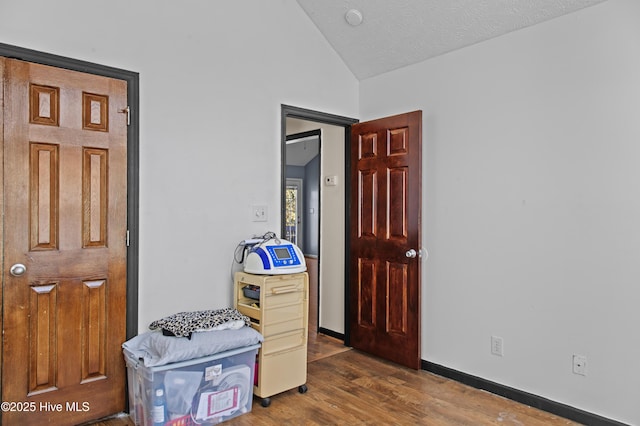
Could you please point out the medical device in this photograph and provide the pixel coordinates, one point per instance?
(271, 255)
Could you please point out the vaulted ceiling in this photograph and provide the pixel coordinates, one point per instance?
(392, 34)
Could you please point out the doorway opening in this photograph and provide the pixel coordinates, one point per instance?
(302, 173)
(330, 212)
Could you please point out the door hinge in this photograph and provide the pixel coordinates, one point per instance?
(127, 238)
(127, 111)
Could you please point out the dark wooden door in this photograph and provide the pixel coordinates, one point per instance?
(385, 224)
(64, 201)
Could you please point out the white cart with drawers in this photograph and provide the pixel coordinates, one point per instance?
(278, 306)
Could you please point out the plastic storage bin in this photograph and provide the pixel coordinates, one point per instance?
(252, 292)
(205, 391)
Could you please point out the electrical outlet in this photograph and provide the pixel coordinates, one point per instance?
(497, 346)
(580, 365)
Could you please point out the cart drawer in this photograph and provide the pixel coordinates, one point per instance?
(283, 318)
(280, 372)
(274, 328)
(284, 341)
(284, 293)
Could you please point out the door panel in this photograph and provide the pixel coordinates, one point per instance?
(65, 197)
(385, 214)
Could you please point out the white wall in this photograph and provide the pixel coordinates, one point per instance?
(213, 75)
(531, 205)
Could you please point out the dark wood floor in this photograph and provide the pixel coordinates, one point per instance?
(352, 388)
(347, 387)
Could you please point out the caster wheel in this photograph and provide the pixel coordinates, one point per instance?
(265, 402)
(302, 389)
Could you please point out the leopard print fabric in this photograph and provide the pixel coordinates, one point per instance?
(183, 324)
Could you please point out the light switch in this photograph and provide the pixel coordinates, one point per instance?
(259, 213)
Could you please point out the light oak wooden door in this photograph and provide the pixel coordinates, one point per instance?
(64, 199)
(386, 170)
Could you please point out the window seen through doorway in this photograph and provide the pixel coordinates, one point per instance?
(293, 207)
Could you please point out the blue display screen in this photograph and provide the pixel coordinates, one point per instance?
(283, 255)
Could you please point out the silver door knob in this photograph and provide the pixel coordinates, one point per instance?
(18, 270)
(411, 253)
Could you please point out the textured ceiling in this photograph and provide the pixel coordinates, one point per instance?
(397, 33)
